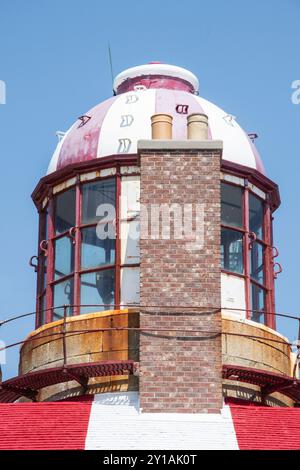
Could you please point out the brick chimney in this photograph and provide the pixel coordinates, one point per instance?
(180, 362)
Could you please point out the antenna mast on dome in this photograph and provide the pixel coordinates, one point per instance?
(111, 67)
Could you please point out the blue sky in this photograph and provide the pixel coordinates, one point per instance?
(54, 61)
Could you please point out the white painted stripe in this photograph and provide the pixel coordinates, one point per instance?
(236, 148)
(127, 121)
(233, 294)
(117, 423)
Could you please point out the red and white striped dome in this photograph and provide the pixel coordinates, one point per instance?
(114, 126)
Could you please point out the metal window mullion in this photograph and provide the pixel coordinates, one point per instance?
(77, 248)
(231, 273)
(62, 279)
(233, 227)
(50, 261)
(258, 284)
(60, 235)
(40, 273)
(269, 279)
(94, 269)
(246, 252)
(118, 240)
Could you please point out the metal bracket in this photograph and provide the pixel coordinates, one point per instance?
(278, 271)
(83, 381)
(31, 263)
(72, 233)
(252, 136)
(44, 247)
(26, 392)
(252, 237)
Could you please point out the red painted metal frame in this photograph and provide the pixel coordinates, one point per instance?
(246, 249)
(268, 286)
(118, 241)
(76, 274)
(257, 178)
(44, 189)
(269, 382)
(28, 385)
(270, 302)
(59, 176)
(254, 176)
(77, 246)
(78, 271)
(41, 267)
(50, 265)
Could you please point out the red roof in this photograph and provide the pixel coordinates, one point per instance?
(266, 428)
(39, 426)
(67, 425)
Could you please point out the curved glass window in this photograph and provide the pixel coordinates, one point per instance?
(98, 288)
(232, 205)
(65, 211)
(64, 257)
(257, 296)
(98, 244)
(256, 215)
(232, 251)
(79, 256)
(257, 262)
(243, 244)
(98, 200)
(94, 251)
(61, 246)
(79, 250)
(63, 293)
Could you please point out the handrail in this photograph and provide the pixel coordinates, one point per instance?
(138, 305)
(64, 333)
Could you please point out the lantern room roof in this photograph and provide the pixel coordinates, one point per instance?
(114, 126)
(156, 75)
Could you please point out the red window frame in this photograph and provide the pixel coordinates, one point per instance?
(49, 254)
(49, 246)
(266, 243)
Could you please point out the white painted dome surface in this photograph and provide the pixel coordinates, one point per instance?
(114, 126)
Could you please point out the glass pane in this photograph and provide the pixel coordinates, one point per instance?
(232, 251)
(64, 257)
(257, 304)
(65, 211)
(43, 274)
(256, 215)
(96, 252)
(96, 194)
(257, 262)
(43, 310)
(231, 208)
(63, 295)
(98, 288)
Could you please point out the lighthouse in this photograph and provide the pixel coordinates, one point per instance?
(156, 261)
